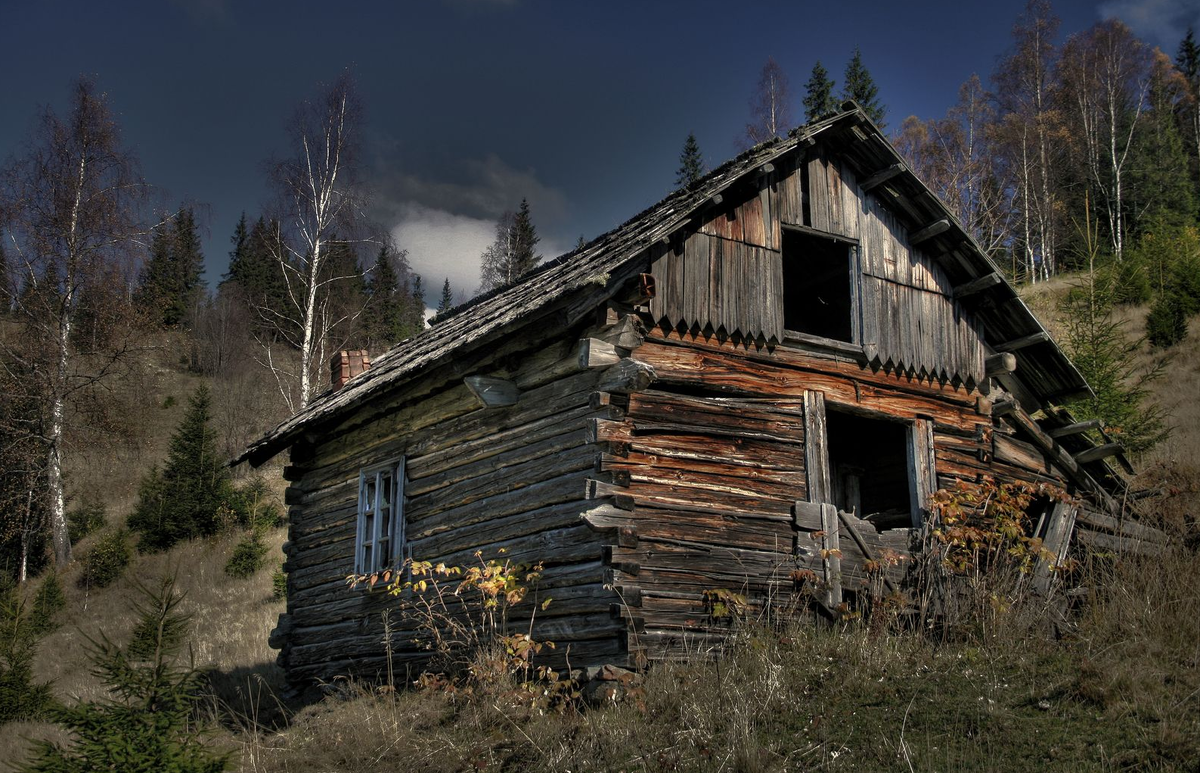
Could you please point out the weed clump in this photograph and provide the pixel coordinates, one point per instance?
(105, 562)
(87, 518)
(248, 555)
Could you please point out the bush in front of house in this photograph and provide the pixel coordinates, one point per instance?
(105, 562)
(193, 494)
(247, 556)
(87, 518)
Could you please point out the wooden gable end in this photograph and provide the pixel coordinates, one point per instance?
(727, 277)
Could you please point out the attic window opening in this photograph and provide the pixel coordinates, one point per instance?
(869, 468)
(380, 534)
(818, 291)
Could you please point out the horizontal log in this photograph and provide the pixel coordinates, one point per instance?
(493, 392)
(1033, 339)
(929, 231)
(1078, 428)
(880, 177)
(628, 375)
(597, 353)
(977, 285)
(1000, 364)
(1097, 453)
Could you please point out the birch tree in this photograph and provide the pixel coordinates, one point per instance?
(770, 105)
(1106, 73)
(320, 203)
(1029, 137)
(954, 156)
(72, 205)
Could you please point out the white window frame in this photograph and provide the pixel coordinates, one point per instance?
(395, 536)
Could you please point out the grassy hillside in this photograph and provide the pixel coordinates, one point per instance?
(1118, 689)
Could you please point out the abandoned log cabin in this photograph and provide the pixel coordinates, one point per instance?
(789, 355)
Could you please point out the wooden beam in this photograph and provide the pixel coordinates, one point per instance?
(493, 392)
(716, 199)
(766, 168)
(882, 176)
(1078, 428)
(929, 231)
(1097, 453)
(1021, 343)
(595, 353)
(997, 364)
(985, 282)
(1004, 407)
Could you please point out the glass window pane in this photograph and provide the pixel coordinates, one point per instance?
(385, 555)
(368, 562)
(385, 523)
(385, 489)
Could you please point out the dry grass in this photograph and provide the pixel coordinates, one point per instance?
(1121, 693)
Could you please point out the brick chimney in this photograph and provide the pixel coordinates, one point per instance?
(345, 365)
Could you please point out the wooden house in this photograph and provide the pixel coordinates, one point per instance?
(803, 342)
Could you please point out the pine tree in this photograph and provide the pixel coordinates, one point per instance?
(513, 253)
(146, 723)
(1188, 62)
(1161, 190)
(857, 84)
(344, 297)
(691, 164)
(384, 323)
(255, 275)
(818, 94)
(21, 698)
(194, 492)
(171, 284)
(1099, 347)
(447, 300)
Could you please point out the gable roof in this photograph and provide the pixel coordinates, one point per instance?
(1046, 373)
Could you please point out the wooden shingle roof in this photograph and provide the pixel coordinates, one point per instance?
(586, 273)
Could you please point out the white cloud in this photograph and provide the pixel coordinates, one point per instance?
(442, 245)
(446, 224)
(1161, 23)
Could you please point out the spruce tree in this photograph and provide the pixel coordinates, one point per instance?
(255, 274)
(21, 698)
(857, 84)
(385, 309)
(147, 721)
(447, 300)
(194, 493)
(1162, 192)
(1188, 63)
(171, 283)
(691, 164)
(513, 253)
(818, 94)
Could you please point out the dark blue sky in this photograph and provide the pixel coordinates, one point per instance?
(473, 104)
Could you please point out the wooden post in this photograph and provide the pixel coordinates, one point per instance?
(1058, 538)
(922, 470)
(816, 448)
(831, 556)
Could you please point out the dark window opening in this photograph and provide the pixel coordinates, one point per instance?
(869, 469)
(817, 297)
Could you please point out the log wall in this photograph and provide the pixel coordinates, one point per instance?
(709, 463)
(509, 479)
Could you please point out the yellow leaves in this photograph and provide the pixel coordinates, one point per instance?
(827, 553)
